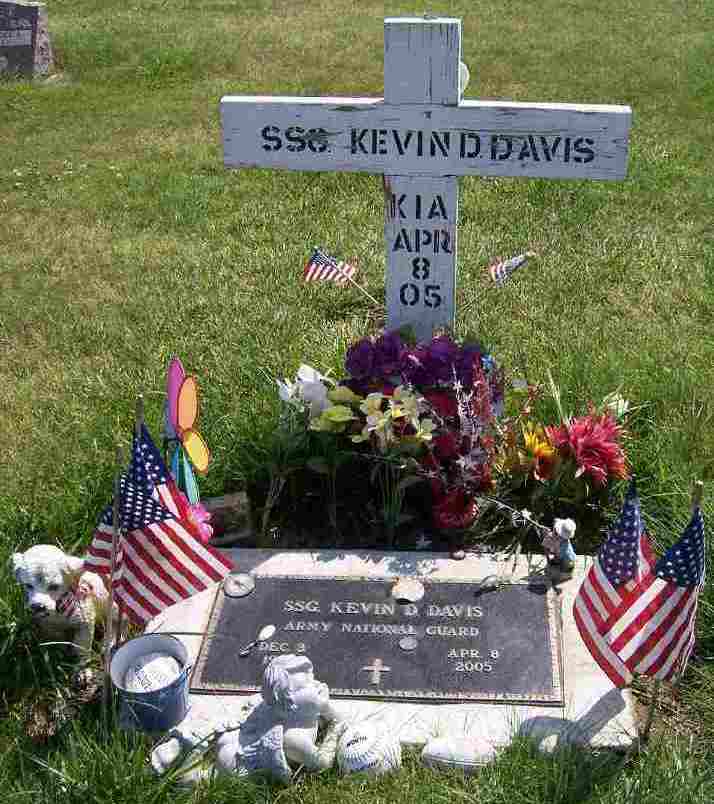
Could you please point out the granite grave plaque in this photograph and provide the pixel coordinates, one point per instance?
(24, 40)
(452, 645)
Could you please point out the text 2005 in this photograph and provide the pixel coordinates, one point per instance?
(477, 666)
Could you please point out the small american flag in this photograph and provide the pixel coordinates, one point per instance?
(637, 615)
(160, 559)
(682, 569)
(323, 268)
(502, 270)
(148, 471)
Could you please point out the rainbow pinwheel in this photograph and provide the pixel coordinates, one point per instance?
(189, 448)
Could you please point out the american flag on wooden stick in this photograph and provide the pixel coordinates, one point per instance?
(637, 615)
(160, 558)
(501, 270)
(682, 569)
(323, 268)
(148, 471)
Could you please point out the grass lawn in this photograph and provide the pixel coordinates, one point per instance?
(124, 240)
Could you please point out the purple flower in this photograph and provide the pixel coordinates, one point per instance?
(412, 366)
(469, 354)
(359, 361)
(442, 354)
(387, 351)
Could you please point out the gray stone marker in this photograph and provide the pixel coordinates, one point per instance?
(25, 48)
(587, 708)
(422, 136)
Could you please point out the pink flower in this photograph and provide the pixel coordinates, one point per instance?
(593, 442)
(199, 517)
(481, 400)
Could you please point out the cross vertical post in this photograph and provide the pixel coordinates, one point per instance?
(421, 66)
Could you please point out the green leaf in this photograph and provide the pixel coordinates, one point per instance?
(340, 458)
(408, 481)
(338, 414)
(318, 465)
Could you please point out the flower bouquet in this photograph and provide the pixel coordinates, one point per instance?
(411, 414)
(413, 437)
(565, 469)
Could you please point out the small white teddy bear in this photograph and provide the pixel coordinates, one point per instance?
(558, 545)
(65, 601)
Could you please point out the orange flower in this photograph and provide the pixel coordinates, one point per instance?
(540, 456)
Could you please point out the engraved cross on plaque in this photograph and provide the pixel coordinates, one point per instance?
(377, 668)
(422, 136)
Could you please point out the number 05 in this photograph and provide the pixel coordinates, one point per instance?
(432, 297)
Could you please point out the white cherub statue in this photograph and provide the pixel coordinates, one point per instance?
(279, 729)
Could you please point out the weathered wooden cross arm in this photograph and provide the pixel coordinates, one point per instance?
(422, 136)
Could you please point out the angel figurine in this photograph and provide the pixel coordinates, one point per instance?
(279, 729)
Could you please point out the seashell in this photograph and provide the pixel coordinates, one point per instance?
(465, 753)
(362, 748)
(408, 590)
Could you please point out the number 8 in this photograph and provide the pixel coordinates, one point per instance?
(420, 267)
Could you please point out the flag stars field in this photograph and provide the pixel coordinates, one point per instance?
(684, 563)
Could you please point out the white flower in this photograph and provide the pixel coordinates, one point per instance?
(312, 390)
(307, 374)
(315, 396)
(465, 463)
(308, 391)
(287, 391)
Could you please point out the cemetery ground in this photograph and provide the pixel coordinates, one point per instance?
(124, 240)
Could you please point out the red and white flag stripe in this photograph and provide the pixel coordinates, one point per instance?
(321, 268)
(99, 554)
(158, 565)
(645, 627)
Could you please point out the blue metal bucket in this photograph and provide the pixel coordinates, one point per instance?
(157, 710)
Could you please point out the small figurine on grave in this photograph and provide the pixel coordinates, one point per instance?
(279, 729)
(66, 601)
(559, 548)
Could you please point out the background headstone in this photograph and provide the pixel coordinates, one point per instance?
(25, 48)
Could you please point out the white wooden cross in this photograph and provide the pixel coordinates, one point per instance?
(422, 136)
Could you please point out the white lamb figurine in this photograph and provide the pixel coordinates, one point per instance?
(65, 601)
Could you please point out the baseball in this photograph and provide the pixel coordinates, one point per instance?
(363, 748)
(152, 671)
